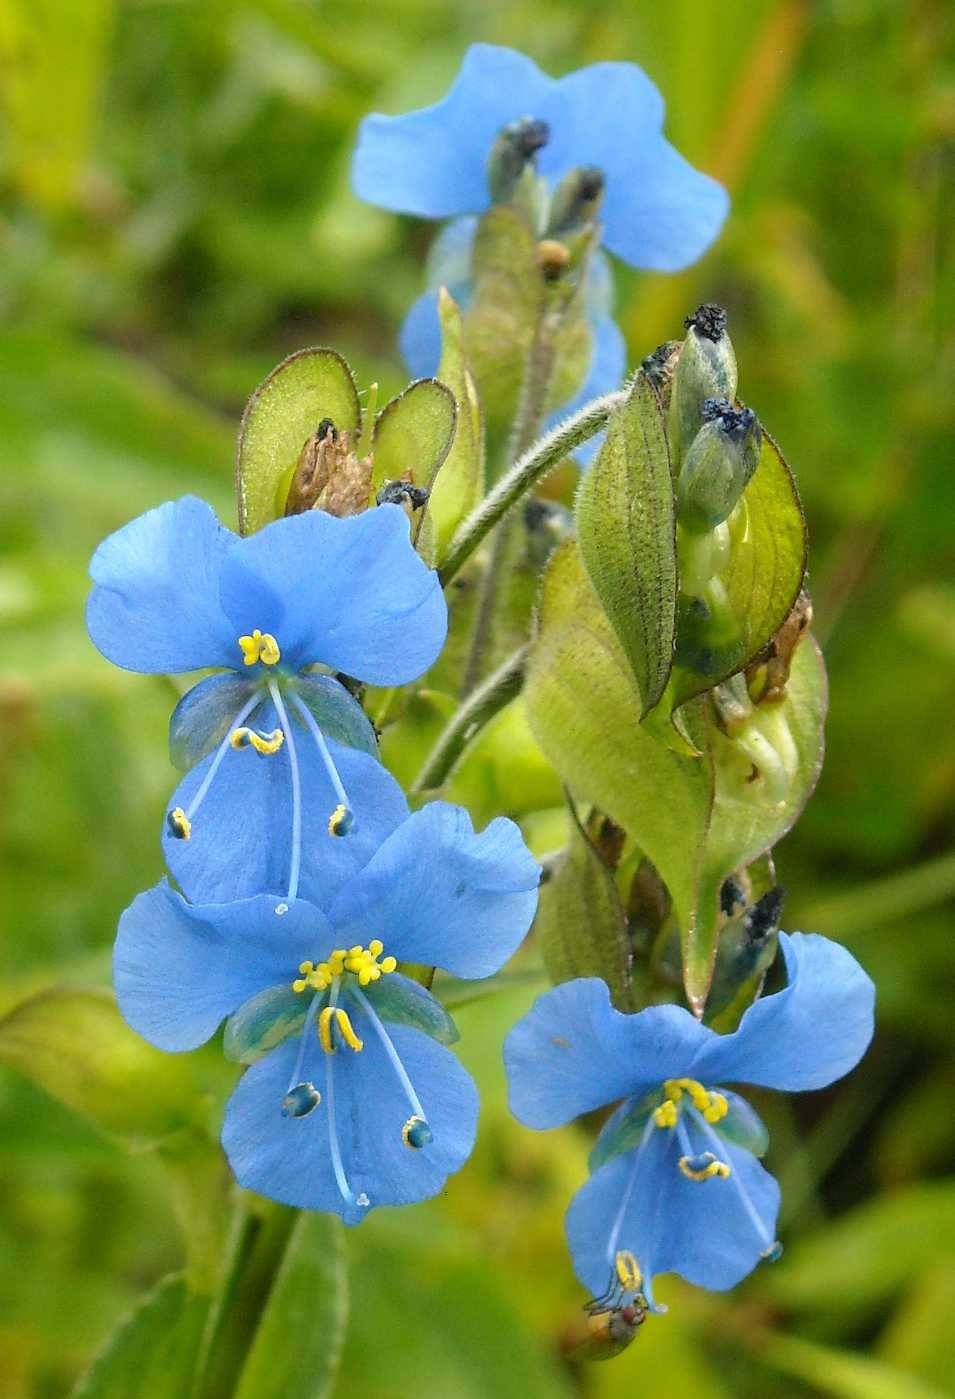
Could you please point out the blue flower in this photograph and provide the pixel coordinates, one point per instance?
(175, 591)
(658, 212)
(675, 1184)
(353, 1099)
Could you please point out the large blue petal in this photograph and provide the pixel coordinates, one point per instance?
(805, 1036)
(350, 593)
(658, 212)
(155, 606)
(289, 1159)
(702, 1230)
(241, 835)
(438, 893)
(432, 162)
(574, 1052)
(180, 970)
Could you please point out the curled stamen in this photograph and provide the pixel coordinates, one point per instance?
(335, 1016)
(338, 1167)
(341, 820)
(179, 824)
(295, 862)
(262, 743)
(300, 1100)
(179, 821)
(703, 1167)
(416, 1133)
(260, 646)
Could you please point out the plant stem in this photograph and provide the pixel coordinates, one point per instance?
(470, 718)
(525, 473)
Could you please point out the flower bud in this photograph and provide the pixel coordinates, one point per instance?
(576, 200)
(718, 466)
(512, 153)
(705, 369)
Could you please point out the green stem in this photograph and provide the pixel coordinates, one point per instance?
(525, 473)
(486, 701)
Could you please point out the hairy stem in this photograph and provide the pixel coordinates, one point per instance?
(470, 718)
(525, 473)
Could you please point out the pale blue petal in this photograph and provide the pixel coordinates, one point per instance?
(352, 594)
(180, 970)
(439, 894)
(805, 1036)
(448, 263)
(699, 1229)
(289, 1159)
(432, 162)
(204, 716)
(241, 835)
(155, 606)
(574, 1052)
(419, 339)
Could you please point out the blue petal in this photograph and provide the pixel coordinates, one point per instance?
(180, 970)
(437, 893)
(805, 1036)
(155, 606)
(289, 1159)
(699, 1229)
(241, 835)
(350, 593)
(658, 212)
(419, 339)
(574, 1052)
(432, 162)
(449, 259)
(204, 716)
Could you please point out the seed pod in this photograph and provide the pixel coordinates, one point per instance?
(576, 200)
(705, 369)
(513, 151)
(718, 466)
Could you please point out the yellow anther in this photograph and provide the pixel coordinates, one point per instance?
(260, 646)
(299, 984)
(179, 824)
(262, 743)
(628, 1271)
(388, 964)
(666, 1114)
(703, 1167)
(376, 947)
(716, 1109)
(347, 1032)
(306, 967)
(325, 1029)
(361, 962)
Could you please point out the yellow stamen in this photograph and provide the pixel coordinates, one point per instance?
(628, 1271)
(666, 1114)
(707, 1172)
(325, 1029)
(346, 1031)
(260, 646)
(340, 821)
(262, 743)
(713, 1106)
(362, 962)
(179, 824)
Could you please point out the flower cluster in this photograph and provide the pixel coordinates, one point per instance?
(305, 879)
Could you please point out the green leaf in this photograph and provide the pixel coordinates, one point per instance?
(297, 1344)
(580, 925)
(843, 1374)
(414, 433)
(153, 1351)
(404, 1002)
(762, 579)
(279, 418)
(73, 1043)
(264, 1021)
(459, 483)
(625, 525)
(745, 821)
(585, 712)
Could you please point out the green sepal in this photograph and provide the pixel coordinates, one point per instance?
(265, 1021)
(624, 1128)
(625, 524)
(414, 432)
(400, 1001)
(281, 415)
(202, 718)
(459, 483)
(743, 1126)
(580, 927)
(337, 713)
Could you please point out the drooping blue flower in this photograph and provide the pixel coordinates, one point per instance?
(352, 1099)
(658, 212)
(676, 1185)
(175, 591)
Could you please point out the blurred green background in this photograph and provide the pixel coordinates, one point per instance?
(176, 217)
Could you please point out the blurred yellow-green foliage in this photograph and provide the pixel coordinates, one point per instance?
(176, 217)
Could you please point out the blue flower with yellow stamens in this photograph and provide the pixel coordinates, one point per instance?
(176, 591)
(352, 1098)
(676, 1185)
